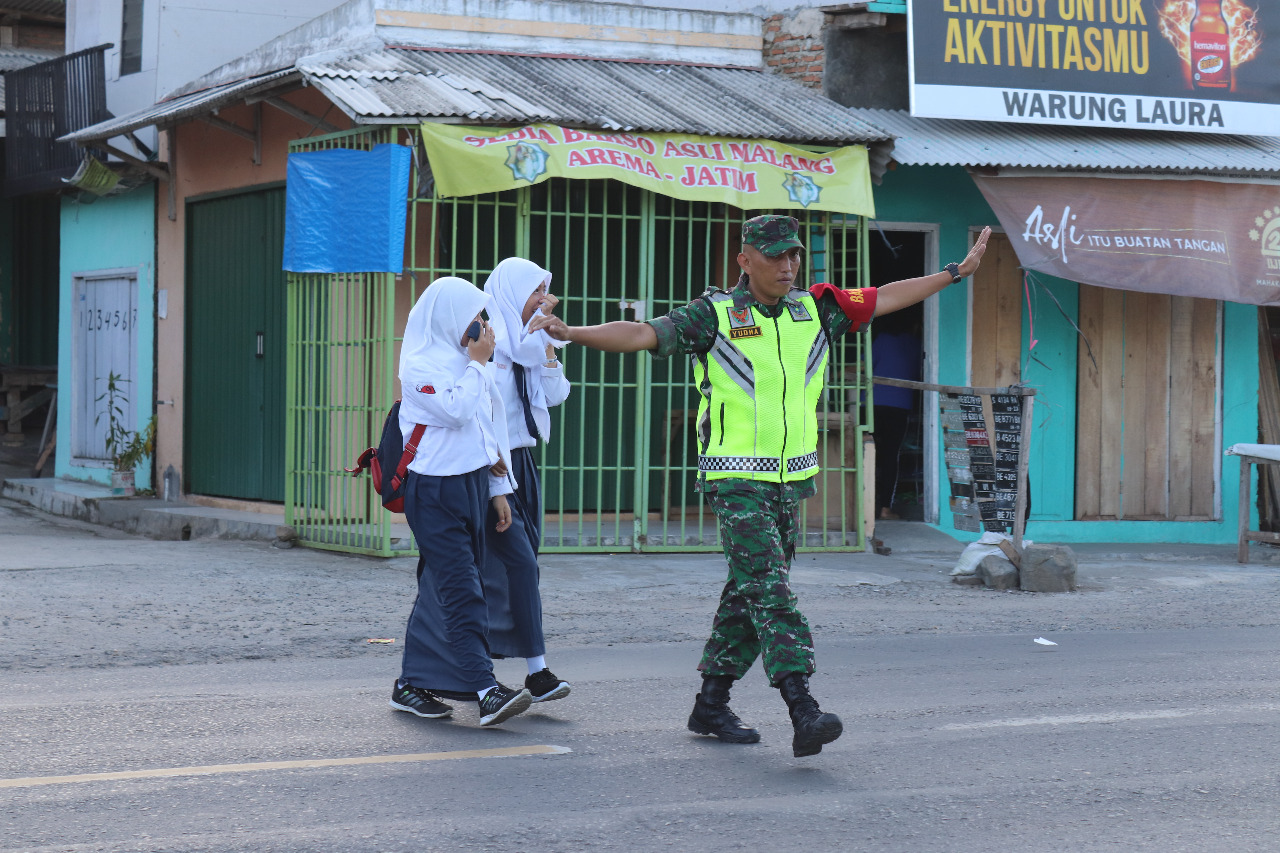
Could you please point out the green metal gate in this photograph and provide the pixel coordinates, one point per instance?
(234, 421)
(620, 469)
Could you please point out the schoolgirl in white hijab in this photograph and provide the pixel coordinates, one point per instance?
(519, 289)
(458, 485)
(530, 380)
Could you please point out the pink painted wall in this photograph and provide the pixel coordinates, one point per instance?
(211, 160)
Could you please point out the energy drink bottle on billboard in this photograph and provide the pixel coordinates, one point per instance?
(1210, 47)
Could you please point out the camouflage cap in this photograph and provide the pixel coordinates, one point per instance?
(772, 234)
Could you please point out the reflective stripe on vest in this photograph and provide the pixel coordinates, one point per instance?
(760, 386)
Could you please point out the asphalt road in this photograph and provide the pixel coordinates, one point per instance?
(217, 696)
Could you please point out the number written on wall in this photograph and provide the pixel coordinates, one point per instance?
(97, 320)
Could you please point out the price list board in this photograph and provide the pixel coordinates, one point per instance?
(982, 437)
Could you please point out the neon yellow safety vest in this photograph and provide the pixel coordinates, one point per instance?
(760, 386)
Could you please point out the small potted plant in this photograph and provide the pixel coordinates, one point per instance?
(126, 448)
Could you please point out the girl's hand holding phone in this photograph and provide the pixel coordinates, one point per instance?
(480, 344)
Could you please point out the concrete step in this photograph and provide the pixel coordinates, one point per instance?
(150, 517)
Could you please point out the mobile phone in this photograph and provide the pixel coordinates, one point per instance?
(473, 331)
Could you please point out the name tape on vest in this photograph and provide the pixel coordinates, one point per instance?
(749, 332)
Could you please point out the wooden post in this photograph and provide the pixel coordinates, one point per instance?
(1024, 452)
(1242, 552)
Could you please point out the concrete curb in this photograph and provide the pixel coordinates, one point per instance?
(149, 517)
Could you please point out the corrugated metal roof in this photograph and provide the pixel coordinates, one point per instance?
(401, 84)
(949, 142)
(175, 110)
(14, 58)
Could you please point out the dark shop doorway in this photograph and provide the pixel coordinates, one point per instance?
(898, 352)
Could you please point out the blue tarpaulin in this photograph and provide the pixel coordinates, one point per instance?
(345, 210)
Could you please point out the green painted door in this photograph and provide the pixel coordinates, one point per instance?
(235, 313)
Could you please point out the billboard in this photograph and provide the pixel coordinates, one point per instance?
(1203, 66)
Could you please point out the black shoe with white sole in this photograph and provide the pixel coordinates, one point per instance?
(502, 703)
(417, 701)
(544, 686)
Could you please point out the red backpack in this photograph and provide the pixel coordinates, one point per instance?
(391, 457)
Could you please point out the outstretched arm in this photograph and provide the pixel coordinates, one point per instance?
(899, 294)
(618, 336)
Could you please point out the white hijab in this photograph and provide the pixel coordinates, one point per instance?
(431, 349)
(509, 285)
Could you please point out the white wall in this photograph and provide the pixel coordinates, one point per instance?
(619, 31)
(181, 40)
(763, 8)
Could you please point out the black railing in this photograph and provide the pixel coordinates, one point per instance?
(43, 102)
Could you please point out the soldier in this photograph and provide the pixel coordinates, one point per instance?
(762, 351)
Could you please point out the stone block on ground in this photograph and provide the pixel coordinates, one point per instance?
(998, 573)
(1048, 568)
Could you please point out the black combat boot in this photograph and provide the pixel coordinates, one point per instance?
(813, 727)
(711, 714)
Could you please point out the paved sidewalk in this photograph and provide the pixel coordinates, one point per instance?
(178, 520)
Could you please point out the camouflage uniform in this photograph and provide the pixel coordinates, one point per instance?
(757, 613)
(759, 521)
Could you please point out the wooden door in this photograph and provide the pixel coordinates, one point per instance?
(105, 343)
(1146, 403)
(996, 330)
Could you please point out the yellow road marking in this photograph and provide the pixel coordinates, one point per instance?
(253, 767)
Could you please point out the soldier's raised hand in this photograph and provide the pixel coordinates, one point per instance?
(972, 260)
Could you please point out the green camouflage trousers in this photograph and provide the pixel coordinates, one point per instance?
(757, 614)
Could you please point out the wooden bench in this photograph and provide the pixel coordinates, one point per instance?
(17, 381)
(1267, 454)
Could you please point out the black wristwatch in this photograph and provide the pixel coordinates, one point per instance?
(954, 269)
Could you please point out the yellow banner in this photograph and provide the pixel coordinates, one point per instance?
(752, 174)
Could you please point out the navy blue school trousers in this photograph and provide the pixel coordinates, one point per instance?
(446, 646)
(511, 573)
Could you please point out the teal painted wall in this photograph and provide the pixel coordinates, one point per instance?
(111, 233)
(947, 196)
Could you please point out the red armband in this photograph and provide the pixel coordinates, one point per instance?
(858, 304)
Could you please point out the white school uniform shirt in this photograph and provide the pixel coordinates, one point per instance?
(555, 390)
(466, 427)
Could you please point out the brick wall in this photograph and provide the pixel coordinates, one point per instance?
(44, 38)
(793, 46)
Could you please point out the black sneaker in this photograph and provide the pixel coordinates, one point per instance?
(417, 701)
(544, 686)
(503, 703)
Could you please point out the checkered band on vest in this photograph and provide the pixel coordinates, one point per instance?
(750, 464)
(801, 463)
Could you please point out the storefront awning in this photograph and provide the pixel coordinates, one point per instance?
(1179, 213)
(998, 145)
(397, 85)
(392, 85)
